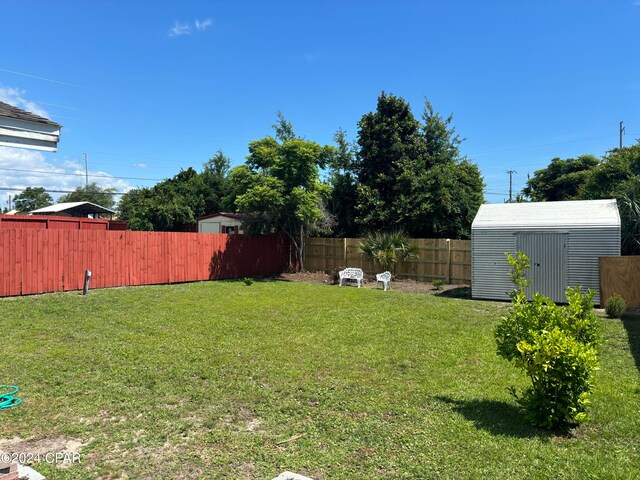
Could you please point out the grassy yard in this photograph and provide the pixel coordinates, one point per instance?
(222, 380)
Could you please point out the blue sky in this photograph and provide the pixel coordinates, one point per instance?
(147, 88)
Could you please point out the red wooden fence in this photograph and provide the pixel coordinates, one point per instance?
(70, 223)
(38, 261)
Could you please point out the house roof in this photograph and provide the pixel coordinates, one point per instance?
(22, 129)
(585, 213)
(236, 216)
(73, 209)
(10, 111)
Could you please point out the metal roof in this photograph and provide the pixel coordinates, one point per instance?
(584, 213)
(73, 207)
(236, 216)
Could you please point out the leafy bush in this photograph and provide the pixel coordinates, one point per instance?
(248, 281)
(560, 369)
(438, 284)
(615, 306)
(555, 346)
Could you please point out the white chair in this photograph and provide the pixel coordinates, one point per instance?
(385, 278)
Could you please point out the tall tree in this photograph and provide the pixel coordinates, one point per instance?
(343, 181)
(412, 176)
(175, 203)
(561, 179)
(214, 177)
(284, 191)
(91, 193)
(389, 141)
(616, 175)
(32, 198)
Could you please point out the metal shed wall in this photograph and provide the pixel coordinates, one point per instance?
(583, 244)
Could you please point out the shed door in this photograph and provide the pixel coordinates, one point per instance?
(548, 273)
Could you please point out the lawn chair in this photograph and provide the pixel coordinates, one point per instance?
(385, 278)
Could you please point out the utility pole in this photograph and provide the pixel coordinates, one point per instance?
(511, 172)
(86, 170)
(621, 133)
(9, 202)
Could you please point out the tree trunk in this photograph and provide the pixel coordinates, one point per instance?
(301, 250)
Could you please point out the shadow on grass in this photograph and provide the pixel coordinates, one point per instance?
(496, 417)
(631, 322)
(459, 292)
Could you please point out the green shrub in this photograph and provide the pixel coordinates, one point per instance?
(248, 281)
(615, 306)
(438, 284)
(555, 346)
(560, 368)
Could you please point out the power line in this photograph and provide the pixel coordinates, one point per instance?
(526, 147)
(44, 172)
(13, 72)
(16, 189)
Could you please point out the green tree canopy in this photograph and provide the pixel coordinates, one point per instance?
(344, 183)
(91, 193)
(175, 203)
(561, 179)
(411, 175)
(283, 188)
(616, 175)
(32, 198)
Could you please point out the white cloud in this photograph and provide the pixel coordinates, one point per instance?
(204, 24)
(15, 97)
(184, 28)
(179, 29)
(140, 165)
(14, 162)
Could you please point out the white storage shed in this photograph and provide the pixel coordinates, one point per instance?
(221, 222)
(563, 240)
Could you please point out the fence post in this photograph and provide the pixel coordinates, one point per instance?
(344, 256)
(448, 242)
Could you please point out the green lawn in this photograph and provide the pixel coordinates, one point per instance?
(220, 380)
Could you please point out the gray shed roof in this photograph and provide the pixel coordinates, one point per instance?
(584, 213)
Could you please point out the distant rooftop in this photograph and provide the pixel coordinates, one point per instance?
(10, 111)
(73, 209)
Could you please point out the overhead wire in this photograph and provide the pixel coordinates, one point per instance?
(97, 175)
(53, 190)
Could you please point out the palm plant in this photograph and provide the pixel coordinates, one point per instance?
(629, 203)
(388, 249)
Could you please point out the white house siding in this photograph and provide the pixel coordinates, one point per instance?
(215, 224)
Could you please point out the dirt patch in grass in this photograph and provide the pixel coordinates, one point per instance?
(40, 446)
(400, 285)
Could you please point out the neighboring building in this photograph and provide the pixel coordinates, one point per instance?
(75, 209)
(22, 129)
(563, 240)
(220, 222)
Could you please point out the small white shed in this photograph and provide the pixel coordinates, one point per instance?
(563, 240)
(221, 222)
